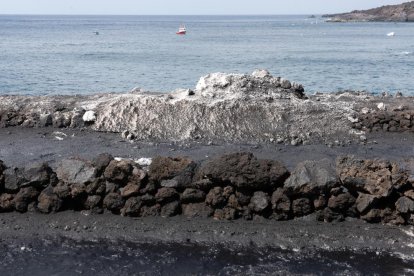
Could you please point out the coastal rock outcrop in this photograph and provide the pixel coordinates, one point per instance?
(392, 13)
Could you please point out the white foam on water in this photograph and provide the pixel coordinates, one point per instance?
(403, 53)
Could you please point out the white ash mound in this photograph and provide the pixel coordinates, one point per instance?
(260, 83)
(223, 107)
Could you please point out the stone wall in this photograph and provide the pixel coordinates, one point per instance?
(234, 186)
(391, 121)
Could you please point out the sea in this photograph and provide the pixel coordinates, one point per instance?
(49, 55)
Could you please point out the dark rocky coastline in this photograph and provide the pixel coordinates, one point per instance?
(392, 13)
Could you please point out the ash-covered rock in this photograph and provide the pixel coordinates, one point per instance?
(260, 84)
(223, 107)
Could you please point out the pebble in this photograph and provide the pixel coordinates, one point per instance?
(365, 110)
(89, 116)
(381, 106)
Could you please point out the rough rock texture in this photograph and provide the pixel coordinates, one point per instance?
(221, 86)
(399, 120)
(375, 177)
(260, 202)
(197, 210)
(244, 171)
(49, 201)
(312, 177)
(229, 187)
(76, 171)
(395, 13)
(172, 172)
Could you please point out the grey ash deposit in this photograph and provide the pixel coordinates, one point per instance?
(233, 108)
(223, 107)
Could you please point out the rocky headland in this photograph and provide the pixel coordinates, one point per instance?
(391, 13)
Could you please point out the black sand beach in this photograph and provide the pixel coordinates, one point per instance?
(71, 243)
(20, 146)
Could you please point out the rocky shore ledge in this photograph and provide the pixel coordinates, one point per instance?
(229, 187)
(223, 107)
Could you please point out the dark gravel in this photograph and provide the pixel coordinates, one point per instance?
(19, 146)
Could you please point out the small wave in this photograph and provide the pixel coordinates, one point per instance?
(405, 53)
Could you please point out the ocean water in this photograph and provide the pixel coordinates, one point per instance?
(62, 55)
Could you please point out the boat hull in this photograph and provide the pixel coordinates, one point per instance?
(181, 33)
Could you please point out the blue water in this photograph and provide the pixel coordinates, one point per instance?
(62, 55)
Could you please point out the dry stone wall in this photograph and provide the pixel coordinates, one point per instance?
(229, 187)
(389, 121)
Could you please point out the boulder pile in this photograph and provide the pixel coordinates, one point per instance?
(52, 116)
(400, 120)
(228, 187)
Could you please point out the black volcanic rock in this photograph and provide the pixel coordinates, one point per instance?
(244, 171)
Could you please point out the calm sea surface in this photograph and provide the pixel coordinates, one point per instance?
(62, 55)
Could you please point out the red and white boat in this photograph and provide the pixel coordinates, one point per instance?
(182, 30)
